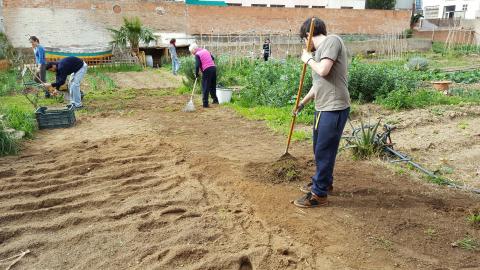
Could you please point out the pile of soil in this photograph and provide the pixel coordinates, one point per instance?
(284, 170)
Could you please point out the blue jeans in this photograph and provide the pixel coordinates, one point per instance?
(74, 88)
(327, 131)
(175, 65)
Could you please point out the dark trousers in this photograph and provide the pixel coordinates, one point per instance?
(265, 56)
(327, 131)
(209, 85)
(41, 77)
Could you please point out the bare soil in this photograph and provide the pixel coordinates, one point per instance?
(158, 188)
(445, 139)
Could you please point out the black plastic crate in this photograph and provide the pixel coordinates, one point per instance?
(56, 118)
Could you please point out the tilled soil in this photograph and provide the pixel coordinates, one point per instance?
(159, 188)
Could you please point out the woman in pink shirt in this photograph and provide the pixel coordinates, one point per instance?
(204, 61)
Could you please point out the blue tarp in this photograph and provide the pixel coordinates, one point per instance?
(206, 3)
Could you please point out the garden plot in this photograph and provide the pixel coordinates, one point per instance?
(160, 188)
(153, 79)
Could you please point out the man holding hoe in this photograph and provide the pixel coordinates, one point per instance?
(332, 106)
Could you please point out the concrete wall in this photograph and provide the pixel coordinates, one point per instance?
(67, 23)
(457, 37)
(475, 26)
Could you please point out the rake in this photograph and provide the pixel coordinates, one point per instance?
(190, 107)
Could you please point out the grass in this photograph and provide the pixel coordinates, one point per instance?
(8, 145)
(430, 232)
(468, 243)
(474, 219)
(277, 119)
(115, 68)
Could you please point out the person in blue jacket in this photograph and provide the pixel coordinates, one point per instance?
(39, 52)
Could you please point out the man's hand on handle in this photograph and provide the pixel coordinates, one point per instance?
(298, 110)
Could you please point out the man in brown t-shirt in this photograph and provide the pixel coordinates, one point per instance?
(332, 105)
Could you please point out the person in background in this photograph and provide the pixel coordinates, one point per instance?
(39, 52)
(266, 49)
(172, 48)
(204, 61)
(332, 105)
(65, 67)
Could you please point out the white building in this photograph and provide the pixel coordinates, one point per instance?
(444, 9)
(345, 4)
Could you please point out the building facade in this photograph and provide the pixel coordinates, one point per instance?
(445, 9)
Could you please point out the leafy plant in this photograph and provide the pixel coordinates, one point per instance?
(474, 219)
(132, 32)
(363, 143)
(380, 4)
(417, 64)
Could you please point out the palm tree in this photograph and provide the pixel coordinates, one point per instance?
(131, 33)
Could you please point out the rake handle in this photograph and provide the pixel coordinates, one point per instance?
(300, 87)
(193, 90)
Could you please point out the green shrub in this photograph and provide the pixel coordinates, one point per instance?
(274, 83)
(417, 64)
(369, 81)
(408, 99)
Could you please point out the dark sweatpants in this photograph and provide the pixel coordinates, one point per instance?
(209, 85)
(327, 131)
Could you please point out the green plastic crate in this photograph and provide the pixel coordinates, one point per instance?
(56, 118)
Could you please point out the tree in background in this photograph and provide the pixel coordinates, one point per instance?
(131, 33)
(380, 4)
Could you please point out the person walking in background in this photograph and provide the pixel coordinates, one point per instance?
(172, 48)
(65, 67)
(332, 106)
(266, 49)
(204, 61)
(39, 52)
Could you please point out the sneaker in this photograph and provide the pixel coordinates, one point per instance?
(311, 200)
(215, 102)
(308, 188)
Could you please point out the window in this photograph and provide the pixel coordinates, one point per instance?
(301, 6)
(277, 6)
(346, 7)
(464, 7)
(259, 5)
(431, 12)
(234, 4)
(318, 6)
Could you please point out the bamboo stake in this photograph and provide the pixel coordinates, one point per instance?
(304, 70)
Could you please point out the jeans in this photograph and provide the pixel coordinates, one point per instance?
(327, 131)
(209, 85)
(41, 77)
(175, 65)
(74, 88)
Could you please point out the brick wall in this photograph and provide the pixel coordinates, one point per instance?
(282, 20)
(64, 23)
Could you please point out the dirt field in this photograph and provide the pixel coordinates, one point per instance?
(148, 186)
